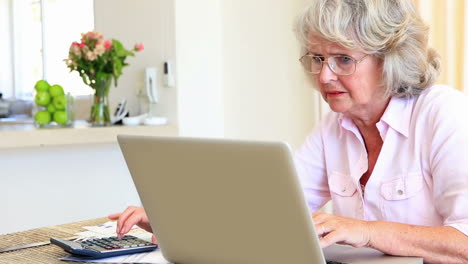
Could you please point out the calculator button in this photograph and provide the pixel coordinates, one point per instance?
(114, 243)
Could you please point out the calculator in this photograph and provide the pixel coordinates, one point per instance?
(105, 247)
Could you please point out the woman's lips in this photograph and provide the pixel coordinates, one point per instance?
(335, 94)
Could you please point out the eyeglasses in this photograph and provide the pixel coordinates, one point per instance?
(340, 64)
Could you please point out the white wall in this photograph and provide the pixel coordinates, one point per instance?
(199, 68)
(56, 185)
(238, 71)
(150, 22)
(266, 95)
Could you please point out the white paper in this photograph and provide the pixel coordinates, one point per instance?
(153, 257)
(108, 229)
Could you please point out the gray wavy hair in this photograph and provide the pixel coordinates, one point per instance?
(388, 29)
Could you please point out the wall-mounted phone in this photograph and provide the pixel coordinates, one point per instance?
(150, 118)
(151, 83)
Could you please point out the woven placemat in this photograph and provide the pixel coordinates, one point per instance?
(47, 254)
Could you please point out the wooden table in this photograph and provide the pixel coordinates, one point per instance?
(47, 254)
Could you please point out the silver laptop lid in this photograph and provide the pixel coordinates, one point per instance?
(222, 201)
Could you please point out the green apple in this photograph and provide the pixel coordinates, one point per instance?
(42, 98)
(60, 102)
(56, 90)
(51, 108)
(42, 117)
(60, 117)
(42, 86)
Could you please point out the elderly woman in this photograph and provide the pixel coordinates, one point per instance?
(392, 154)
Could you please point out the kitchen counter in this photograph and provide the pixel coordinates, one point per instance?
(16, 135)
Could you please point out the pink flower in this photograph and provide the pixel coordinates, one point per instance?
(75, 49)
(107, 44)
(81, 45)
(90, 56)
(139, 47)
(91, 35)
(100, 49)
(99, 35)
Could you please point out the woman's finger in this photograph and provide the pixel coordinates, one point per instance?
(134, 219)
(320, 217)
(114, 216)
(323, 229)
(123, 218)
(331, 238)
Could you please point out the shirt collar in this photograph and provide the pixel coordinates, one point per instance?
(397, 115)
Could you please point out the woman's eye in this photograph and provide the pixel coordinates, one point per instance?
(345, 59)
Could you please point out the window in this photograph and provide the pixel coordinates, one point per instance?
(6, 71)
(37, 47)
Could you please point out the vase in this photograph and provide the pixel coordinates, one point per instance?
(100, 115)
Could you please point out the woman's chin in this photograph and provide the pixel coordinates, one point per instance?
(338, 108)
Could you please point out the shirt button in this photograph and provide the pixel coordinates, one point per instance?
(400, 192)
(343, 190)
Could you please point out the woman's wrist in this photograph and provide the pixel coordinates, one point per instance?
(371, 233)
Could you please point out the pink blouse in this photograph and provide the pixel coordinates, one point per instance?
(421, 174)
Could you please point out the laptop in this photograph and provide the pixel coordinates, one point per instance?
(218, 201)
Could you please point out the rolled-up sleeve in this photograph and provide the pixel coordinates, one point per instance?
(449, 161)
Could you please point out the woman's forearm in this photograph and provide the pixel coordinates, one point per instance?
(440, 244)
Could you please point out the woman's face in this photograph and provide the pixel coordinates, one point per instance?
(357, 94)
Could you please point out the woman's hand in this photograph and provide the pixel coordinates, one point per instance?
(336, 229)
(133, 215)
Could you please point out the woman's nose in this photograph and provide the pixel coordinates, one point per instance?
(327, 75)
